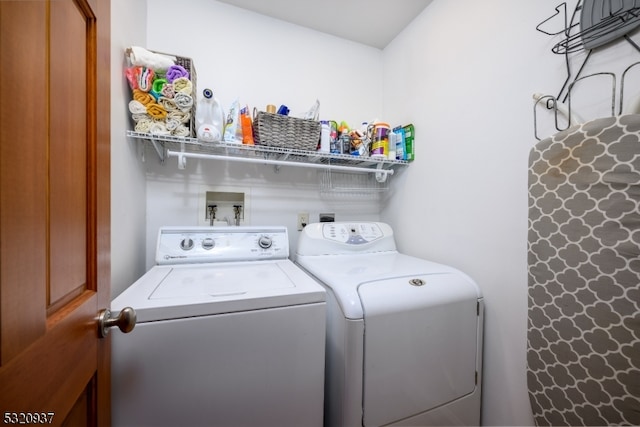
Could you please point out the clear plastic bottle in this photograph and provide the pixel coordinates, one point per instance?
(324, 136)
(345, 142)
(392, 145)
(209, 118)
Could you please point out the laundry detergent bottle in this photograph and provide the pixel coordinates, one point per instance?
(209, 118)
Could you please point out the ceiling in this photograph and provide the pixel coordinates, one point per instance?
(371, 22)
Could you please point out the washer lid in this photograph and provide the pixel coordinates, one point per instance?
(420, 345)
(172, 292)
(202, 281)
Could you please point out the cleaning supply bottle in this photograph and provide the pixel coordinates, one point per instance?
(333, 137)
(324, 136)
(209, 118)
(247, 126)
(345, 141)
(400, 143)
(392, 144)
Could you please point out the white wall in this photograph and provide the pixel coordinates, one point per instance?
(128, 182)
(260, 60)
(464, 73)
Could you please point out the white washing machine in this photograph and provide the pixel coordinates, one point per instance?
(404, 335)
(229, 332)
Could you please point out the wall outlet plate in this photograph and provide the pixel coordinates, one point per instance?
(303, 220)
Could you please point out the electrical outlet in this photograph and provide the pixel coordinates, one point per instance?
(303, 220)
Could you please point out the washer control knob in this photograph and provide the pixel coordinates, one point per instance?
(208, 243)
(186, 244)
(265, 242)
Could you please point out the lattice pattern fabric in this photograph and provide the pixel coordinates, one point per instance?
(583, 335)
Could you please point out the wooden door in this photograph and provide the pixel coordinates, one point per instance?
(54, 211)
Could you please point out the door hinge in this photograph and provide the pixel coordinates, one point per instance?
(478, 308)
(476, 379)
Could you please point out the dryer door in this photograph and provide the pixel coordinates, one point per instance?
(420, 344)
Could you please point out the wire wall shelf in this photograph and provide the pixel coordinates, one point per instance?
(353, 187)
(184, 148)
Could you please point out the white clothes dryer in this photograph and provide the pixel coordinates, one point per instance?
(404, 335)
(230, 332)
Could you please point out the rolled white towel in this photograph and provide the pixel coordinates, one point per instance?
(159, 128)
(183, 101)
(140, 116)
(181, 130)
(157, 61)
(143, 125)
(136, 107)
(172, 124)
(180, 116)
(168, 104)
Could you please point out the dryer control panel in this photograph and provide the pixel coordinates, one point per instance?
(332, 238)
(352, 234)
(180, 245)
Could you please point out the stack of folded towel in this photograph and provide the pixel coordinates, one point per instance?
(162, 93)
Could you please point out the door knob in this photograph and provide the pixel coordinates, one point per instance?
(125, 321)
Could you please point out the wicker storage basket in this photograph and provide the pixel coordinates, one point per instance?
(186, 63)
(277, 130)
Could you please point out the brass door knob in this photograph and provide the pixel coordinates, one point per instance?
(125, 321)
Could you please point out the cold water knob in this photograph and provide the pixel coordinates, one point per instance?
(265, 242)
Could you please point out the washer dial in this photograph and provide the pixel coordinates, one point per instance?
(186, 244)
(265, 242)
(208, 243)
